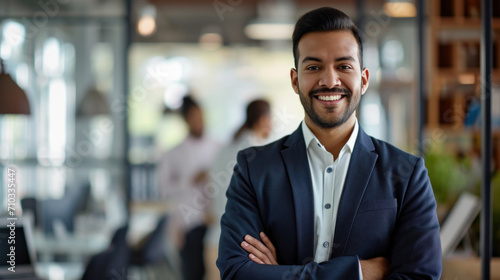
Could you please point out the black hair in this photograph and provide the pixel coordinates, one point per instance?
(324, 19)
(255, 110)
(187, 103)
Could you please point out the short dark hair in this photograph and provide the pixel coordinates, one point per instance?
(324, 19)
(187, 103)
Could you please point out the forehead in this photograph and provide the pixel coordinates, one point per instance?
(326, 44)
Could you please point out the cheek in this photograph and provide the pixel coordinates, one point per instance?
(353, 84)
(305, 83)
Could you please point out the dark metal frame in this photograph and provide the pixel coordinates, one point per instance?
(126, 132)
(486, 194)
(421, 78)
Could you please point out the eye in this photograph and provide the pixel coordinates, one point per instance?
(312, 68)
(345, 67)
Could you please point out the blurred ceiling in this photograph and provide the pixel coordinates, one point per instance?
(186, 21)
(180, 21)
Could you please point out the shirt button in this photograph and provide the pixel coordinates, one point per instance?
(326, 244)
(319, 145)
(329, 170)
(327, 206)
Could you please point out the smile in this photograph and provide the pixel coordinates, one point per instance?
(329, 97)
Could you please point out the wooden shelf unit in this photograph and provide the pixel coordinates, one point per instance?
(454, 67)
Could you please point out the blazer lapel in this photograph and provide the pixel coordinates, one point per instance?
(362, 162)
(297, 166)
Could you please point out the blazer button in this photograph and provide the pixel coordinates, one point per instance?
(326, 244)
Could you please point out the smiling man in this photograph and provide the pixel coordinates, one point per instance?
(329, 201)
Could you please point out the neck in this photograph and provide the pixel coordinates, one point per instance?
(259, 132)
(195, 135)
(333, 139)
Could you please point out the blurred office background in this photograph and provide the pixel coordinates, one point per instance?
(104, 80)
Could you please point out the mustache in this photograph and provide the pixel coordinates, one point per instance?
(330, 90)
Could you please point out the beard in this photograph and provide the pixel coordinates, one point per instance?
(333, 118)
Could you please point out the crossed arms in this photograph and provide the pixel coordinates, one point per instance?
(413, 253)
(265, 253)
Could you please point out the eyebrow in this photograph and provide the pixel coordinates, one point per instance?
(311, 58)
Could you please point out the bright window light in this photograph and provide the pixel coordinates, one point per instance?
(174, 94)
(57, 120)
(13, 33)
(51, 55)
(5, 51)
(392, 53)
(22, 75)
(372, 113)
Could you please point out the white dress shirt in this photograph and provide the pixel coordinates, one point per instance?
(328, 178)
(221, 173)
(176, 171)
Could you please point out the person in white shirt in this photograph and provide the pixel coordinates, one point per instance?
(254, 132)
(182, 177)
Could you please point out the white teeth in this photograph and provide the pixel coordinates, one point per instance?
(329, 97)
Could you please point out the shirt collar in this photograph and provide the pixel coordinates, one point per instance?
(310, 138)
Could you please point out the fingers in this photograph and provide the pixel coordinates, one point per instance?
(258, 252)
(255, 259)
(253, 251)
(268, 244)
(267, 250)
(256, 249)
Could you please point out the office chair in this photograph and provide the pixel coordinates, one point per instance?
(113, 262)
(153, 258)
(153, 249)
(30, 205)
(63, 210)
(458, 222)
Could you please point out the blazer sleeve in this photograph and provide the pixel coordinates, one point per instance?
(242, 216)
(416, 249)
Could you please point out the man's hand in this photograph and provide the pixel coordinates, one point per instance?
(262, 253)
(265, 253)
(375, 269)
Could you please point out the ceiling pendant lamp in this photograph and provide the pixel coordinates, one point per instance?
(274, 21)
(400, 8)
(93, 104)
(13, 100)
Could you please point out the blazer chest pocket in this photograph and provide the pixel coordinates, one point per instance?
(377, 205)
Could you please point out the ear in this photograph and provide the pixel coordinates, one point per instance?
(294, 79)
(365, 80)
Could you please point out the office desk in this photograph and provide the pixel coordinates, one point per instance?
(468, 269)
(78, 247)
(60, 271)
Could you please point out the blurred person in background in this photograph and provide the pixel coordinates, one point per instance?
(182, 177)
(254, 132)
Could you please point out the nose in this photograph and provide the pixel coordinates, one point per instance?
(329, 78)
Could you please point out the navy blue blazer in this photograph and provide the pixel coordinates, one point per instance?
(387, 208)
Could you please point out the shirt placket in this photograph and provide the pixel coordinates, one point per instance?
(327, 202)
